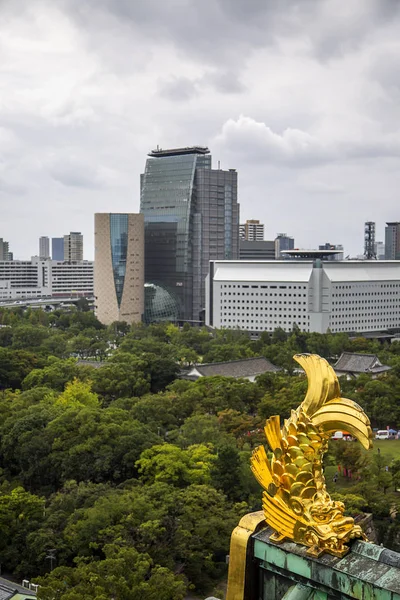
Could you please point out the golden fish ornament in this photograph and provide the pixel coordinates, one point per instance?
(296, 503)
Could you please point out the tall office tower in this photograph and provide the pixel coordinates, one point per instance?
(119, 267)
(44, 247)
(73, 246)
(369, 240)
(392, 241)
(5, 253)
(283, 242)
(191, 215)
(252, 231)
(57, 248)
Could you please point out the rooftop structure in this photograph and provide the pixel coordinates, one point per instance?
(159, 152)
(247, 368)
(12, 591)
(354, 364)
(303, 254)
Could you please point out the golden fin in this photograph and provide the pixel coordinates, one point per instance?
(273, 432)
(279, 516)
(347, 415)
(261, 467)
(323, 384)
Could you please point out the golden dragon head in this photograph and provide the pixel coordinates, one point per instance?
(295, 501)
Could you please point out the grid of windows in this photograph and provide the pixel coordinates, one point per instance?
(366, 298)
(365, 306)
(264, 306)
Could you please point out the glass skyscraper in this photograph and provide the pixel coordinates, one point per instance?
(191, 216)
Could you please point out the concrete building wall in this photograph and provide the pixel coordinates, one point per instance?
(131, 305)
(73, 246)
(37, 278)
(44, 247)
(342, 296)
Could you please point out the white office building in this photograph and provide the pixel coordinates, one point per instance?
(36, 278)
(348, 296)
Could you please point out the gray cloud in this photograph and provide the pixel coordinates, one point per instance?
(87, 88)
(178, 89)
(74, 172)
(225, 82)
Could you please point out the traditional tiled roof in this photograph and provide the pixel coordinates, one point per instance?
(247, 367)
(9, 589)
(360, 363)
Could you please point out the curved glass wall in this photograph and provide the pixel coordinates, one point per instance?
(119, 249)
(160, 304)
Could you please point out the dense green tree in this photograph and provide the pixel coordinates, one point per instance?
(121, 379)
(15, 366)
(170, 464)
(55, 374)
(124, 573)
(20, 513)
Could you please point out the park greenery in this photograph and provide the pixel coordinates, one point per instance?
(120, 479)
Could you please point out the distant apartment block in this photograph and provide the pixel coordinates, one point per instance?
(392, 240)
(73, 246)
(256, 250)
(5, 253)
(316, 295)
(283, 242)
(44, 247)
(36, 278)
(252, 231)
(119, 267)
(57, 248)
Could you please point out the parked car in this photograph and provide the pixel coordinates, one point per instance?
(342, 435)
(382, 434)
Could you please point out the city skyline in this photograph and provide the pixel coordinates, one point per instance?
(87, 93)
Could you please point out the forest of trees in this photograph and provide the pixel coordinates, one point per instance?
(133, 479)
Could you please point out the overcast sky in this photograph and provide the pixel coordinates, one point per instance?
(301, 97)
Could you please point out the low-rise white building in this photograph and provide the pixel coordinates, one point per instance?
(348, 296)
(38, 278)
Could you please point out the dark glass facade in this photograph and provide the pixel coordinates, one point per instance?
(119, 249)
(57, 248)
(191, 216)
